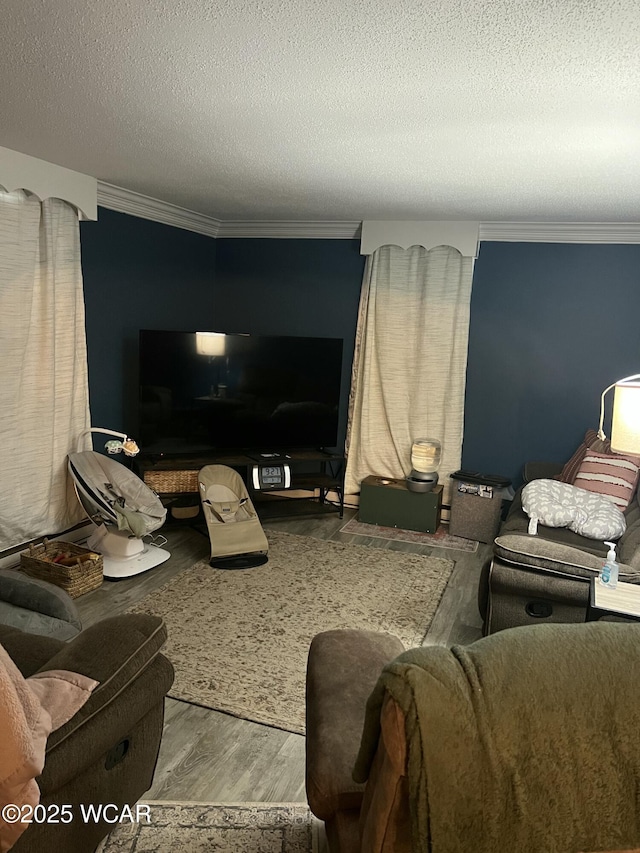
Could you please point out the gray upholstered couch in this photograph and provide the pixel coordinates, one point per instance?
(545, 578)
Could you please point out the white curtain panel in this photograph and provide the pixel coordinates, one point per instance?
(410, 361)
(43, 367)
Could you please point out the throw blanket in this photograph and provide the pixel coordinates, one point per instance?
(527, 740)
(558, 504)
(29, 710)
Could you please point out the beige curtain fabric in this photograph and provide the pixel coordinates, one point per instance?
(43, 365)
(410, 361)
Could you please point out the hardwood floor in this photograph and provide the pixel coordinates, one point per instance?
(208, 756)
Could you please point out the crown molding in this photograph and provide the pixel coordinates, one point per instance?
(561, 232)
(136, 204)
(289, 229)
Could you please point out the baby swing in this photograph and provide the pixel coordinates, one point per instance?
(237, 537)
(123, 509)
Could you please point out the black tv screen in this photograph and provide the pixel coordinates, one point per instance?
(208, 391)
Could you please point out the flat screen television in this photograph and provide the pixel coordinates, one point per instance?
(208, 391)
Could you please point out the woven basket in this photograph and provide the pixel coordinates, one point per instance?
(172, 482)
(75, 580)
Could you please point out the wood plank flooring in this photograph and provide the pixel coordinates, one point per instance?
(208, 756)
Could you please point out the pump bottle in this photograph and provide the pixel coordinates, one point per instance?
(609, 573)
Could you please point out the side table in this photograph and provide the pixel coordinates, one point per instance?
(623, 601)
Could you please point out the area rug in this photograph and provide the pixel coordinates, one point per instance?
(207, 827)
(440, 539)
(238, 640)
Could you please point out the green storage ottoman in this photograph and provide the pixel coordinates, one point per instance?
(389, 503)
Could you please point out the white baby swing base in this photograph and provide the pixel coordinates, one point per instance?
(124, 555)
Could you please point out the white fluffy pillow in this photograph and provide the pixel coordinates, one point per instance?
(557, 504)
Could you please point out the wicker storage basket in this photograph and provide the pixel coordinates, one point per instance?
(82, 576)
(171, 482)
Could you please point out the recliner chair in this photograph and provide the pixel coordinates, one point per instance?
(36, 606)
(527, 741)
(107, 752)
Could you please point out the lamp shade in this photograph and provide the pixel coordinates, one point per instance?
(425, 455)
(625, 424)
(210, 343)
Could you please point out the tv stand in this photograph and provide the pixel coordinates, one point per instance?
(314, 474)
(269, 457)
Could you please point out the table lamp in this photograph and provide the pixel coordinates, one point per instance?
(425, 461)
(625, 421)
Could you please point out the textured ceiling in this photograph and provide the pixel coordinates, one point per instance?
(335, 109)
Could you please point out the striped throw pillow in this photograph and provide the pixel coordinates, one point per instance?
(614, 477)
(590, 442)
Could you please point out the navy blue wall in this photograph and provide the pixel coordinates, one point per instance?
(137, 274)
(551, 326)
(291, 287)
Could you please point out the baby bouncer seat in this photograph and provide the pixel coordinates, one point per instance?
(237, 538)
(124, 510)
